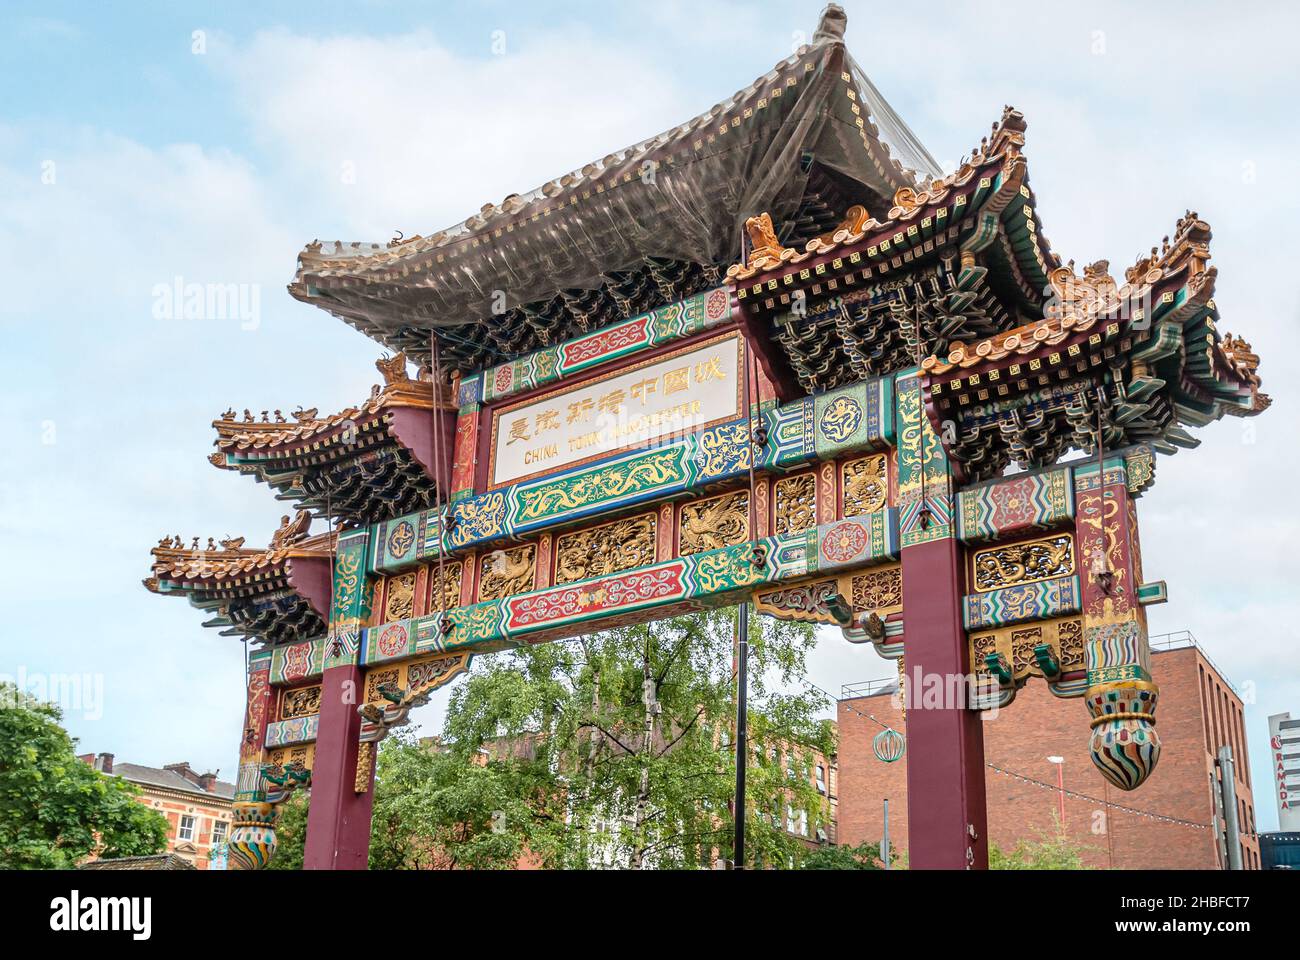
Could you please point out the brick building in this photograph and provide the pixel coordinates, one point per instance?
(197, 806)
(1199, 712)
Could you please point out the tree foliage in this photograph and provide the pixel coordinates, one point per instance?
(1053, 850)
(630, 751)
(55, 810)
(612, 750)
(865, 856)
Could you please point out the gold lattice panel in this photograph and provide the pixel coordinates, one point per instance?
(865, 482)
(503, 573)
(879, 589)
(399, 597)
(300, 702)
(717, 522)
(449, 577)
(1029, 561)
(304, 753)
(795, 503)
(608, 548)
(1016, 643)
(378, 676)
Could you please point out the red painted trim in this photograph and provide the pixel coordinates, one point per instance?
(312, 578)
(774, 363)
(413, 429)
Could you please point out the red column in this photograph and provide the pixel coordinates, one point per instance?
(945, 743)
(338, 822)
(945, 755)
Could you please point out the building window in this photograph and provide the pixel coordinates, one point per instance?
(789, 818)
(186, 831)
(218, 832)
(803, 823)
(821, 779)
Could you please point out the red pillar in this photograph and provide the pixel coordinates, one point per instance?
(946, 826)
(338, 821)
(945, 756)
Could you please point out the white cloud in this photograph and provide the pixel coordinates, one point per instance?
(401, 133)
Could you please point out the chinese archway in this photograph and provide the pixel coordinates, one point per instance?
(770, 354)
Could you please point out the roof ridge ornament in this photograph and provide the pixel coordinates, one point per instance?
(291, 531)
(831, 25)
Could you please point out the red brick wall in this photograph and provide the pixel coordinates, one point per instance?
(1037, 725)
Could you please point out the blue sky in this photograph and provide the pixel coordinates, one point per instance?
(134, 150)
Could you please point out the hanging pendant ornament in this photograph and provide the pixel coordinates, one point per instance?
(889, 745)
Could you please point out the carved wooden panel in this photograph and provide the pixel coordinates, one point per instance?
(879, 590)
(1030, 561)
(449, 580)
(713, 523)
(866, 484)
(399, 597)
(795, 503)
(300, 702)
(376, 678)
(608, 548)
(503, 573)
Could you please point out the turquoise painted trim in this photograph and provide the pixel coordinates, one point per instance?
(1155, 592)
(713, 578)
(1032, 601)
(663, 324)
(811, 428)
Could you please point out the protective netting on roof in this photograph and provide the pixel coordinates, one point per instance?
(802, 143)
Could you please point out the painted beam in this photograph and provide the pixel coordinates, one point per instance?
(712, 578)
(854, 418)
(674, 321)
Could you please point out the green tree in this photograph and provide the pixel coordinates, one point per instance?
(865, 856)
(290, 833)
(1046, 851)
(435, 811)
(615, 749)
(630, 759)
(55, 810)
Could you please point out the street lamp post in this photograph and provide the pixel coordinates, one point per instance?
(1060, 784)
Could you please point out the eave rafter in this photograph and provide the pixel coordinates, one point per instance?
(1140, 362)
(650, 224)
(358, 465)
(272, 595)
(959, 259)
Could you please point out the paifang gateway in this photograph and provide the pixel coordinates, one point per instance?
(771, 354)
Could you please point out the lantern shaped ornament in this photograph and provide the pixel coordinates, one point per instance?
(889, 745)
(1124, 745)
(252, 837)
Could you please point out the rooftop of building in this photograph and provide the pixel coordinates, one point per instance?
(180, 777)
(161, 861)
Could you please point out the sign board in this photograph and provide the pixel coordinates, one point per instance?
(1284, 749)
(657, 399)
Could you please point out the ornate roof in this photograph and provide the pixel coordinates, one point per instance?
(1146, 356)
(277, 594)
(653, 223)
(959, 259)
(360, 465)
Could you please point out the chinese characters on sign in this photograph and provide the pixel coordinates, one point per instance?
(665, 398)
